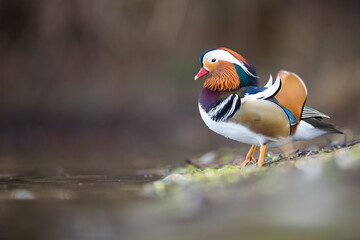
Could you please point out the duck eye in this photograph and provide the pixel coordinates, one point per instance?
(213, 60)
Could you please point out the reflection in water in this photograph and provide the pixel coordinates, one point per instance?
(66, 207)
(73, 188)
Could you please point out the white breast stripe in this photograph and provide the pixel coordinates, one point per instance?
(233, 106)
(226, 108)
(216, 110)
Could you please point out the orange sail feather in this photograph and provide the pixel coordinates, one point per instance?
(292, 93)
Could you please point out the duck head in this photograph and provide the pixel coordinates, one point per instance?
(225, 70)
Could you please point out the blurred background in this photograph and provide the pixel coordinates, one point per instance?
(107, 86)
(92, 91)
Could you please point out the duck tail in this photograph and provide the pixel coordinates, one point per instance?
(318, 123)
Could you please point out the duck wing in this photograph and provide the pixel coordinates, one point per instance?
(309, 112)
(292, 93)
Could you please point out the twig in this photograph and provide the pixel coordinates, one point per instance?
(308, 154)
(191, 162)
(352, 143)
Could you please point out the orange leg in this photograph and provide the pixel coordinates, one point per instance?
(249, 156)
(262, 155)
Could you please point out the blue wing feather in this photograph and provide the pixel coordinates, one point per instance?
(252, 90)
(290, 115)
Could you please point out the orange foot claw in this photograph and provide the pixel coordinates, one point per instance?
(249, 156)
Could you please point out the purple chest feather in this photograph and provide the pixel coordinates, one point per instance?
(208, 98)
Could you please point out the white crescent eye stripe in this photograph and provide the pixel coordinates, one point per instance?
(223, 55)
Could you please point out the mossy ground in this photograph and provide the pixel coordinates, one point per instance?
(313, 193)
(225, 170)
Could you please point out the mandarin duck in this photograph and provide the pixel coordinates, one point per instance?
(231, 104)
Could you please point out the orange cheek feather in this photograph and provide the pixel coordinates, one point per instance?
(211, 66)
(222, 76)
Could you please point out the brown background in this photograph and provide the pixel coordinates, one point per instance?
(109, 84)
